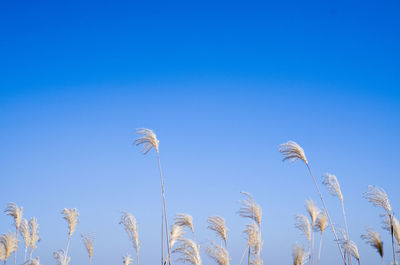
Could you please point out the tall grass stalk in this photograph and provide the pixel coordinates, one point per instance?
(378, 197)
(322, 223)
(24, 230)
(71, 216)
(16, 212)
(149, 141)
(10, 244)
(34, 235)
(293, 152)
(88, 243)
(131, 228)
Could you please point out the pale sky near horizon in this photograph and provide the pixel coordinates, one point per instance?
(222, 85)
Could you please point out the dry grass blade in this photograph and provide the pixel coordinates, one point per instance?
(299, 255)
(10, 243)
(332, 184)
(254, 239)
(378, 197)
(374, 239)
(250, 209)
(183, 220)
(218, 253)
(34, 233)
(131, 228)
(61, 257)
(148, 139)
(303, 225)
(16, 212)
(313, 211)
(71, 216)
(127, 260)
(322, 222)
(292, 152)
(25, 233)
(177, 233)
(189, 251)
(217, 224)
(88, 242)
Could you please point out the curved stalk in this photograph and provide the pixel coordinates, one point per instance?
(327, 213)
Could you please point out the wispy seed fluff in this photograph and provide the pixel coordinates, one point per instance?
(183, 220)
(322, 222)
(292, 152)
(131, 228)
(61, 258)
(254, 239)
(16, 212)
(299, 255)
(378, 197)
(374, 239)
(176, 234)
(189, 252)
(332, 184)
(313, 211)
(250, 209)
(127, 260)
(303, 225)
(10, 243)
(217, 224)
(351, 248)
(218, 253)
(148, 139)
(71, 216)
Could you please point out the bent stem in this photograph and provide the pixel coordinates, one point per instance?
(327, 213)
(244, 252)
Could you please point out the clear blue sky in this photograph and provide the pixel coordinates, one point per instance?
(222, 84)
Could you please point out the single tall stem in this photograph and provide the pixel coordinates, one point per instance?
(244, 252)
(248, 257)
(137, 256)
(383, 261)
(165, 209)
(391, 232)
(162, 234)
(327, 213)
(66, 249)
(312, 245)
(15, 253)
(26, 248)
(320, 247)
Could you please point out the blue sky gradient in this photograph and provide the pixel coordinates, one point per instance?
(222, 84)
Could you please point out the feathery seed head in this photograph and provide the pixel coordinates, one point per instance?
(177, 233)
(374, 239)
(127, 260)
(303, 225)
(299, 255)
(218, 253)
(131, 228)
(10, 243)
(25, 233)
(292, 152)
(183, 220)
(88, 242)
(257, 261)
(217, 224)
(332, 184)
(61, 258)
(322, 222)
(189, 250)
(34, 233)
(148, 139)
(71, 216)
(351, 248)
(16, 212)
(250, 209)
(392, 223)
(378, 197)
(254, 239)
(313, 211)
(35, 261)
